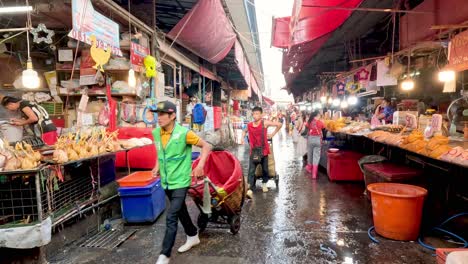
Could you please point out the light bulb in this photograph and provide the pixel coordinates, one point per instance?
(352, 100)
(317, 105)
(30, 78)
(336, 102)
(446, 76)
(344, 104)
(407, 85)
(131, 78)
(323, 99)
(330, 100)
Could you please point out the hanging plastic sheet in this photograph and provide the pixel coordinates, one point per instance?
(197, 32)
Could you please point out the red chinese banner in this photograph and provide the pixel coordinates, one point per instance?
(137, 56)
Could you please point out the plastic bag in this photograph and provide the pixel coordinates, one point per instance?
(103, 117)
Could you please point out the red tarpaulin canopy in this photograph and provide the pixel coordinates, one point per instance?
(206, 31)
(280, 33)
(309, 29)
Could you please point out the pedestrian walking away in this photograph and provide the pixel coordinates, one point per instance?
(174, 165)
(314, 143)
(259, 148)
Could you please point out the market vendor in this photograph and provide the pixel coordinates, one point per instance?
(384, 111)
(34, 117)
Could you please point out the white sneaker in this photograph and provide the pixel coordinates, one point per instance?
(264, 187)
(191, 242)
(249, 194)
(163, 259)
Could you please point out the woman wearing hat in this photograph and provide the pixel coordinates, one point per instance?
(33, 116)
(174, 164)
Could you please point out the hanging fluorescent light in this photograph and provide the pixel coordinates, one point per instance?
(446, 76)
(30, 78)
(352, 100)
(131, 78)
(407, 85)
(15, 9)
(323, 99)
(344, 104)
(336, 102)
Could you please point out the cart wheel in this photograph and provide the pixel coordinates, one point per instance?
(277, 181)
(202, 221)
(235, 223)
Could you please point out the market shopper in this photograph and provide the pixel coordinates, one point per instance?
(174, 165)
(384, 111)
(259, 147)
(301, 147)
(33, 117)
(314, 143)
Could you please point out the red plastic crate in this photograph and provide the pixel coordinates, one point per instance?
(217, 117)
(343, 166)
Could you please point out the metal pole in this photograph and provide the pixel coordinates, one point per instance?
(14, 29)
(385, 10)
(39, 211)
(203, 90)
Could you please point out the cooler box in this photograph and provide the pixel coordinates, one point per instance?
(391, 172)
(142, 204)
(137, 179)
(343, 166)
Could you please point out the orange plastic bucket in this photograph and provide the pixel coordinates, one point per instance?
(137, 179)
(397, 209)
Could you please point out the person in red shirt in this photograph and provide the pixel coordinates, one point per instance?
(255, 130)
(314, 143)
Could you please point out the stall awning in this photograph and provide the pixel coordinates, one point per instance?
(206, 31)
(310, 27)
(280, 33)
(208, 74)
(268, 100)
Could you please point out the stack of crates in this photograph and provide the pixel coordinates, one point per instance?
(142, 197)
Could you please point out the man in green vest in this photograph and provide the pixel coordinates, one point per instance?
(174, 165)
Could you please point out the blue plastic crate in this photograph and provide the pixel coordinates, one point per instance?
(142, 204)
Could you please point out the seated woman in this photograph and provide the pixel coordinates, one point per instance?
(33, 116)
(385, 111)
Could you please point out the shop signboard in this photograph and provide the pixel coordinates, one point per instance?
(458, 52)
(138, 54)
(88, 22)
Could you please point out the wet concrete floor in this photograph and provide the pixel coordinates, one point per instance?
(303, 221)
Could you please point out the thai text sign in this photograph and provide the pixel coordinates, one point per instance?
(458, 52)
(88, 22)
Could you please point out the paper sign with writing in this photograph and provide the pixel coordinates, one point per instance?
(458, 52)
(87, 22)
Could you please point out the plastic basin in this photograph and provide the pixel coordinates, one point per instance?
(397, 209)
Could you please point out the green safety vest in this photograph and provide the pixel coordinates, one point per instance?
(175, 160)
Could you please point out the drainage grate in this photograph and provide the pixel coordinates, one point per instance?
(108, 239)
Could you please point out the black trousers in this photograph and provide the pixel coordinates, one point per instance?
(253, 166)
(177, 211)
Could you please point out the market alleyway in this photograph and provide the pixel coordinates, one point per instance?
(304, 221)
